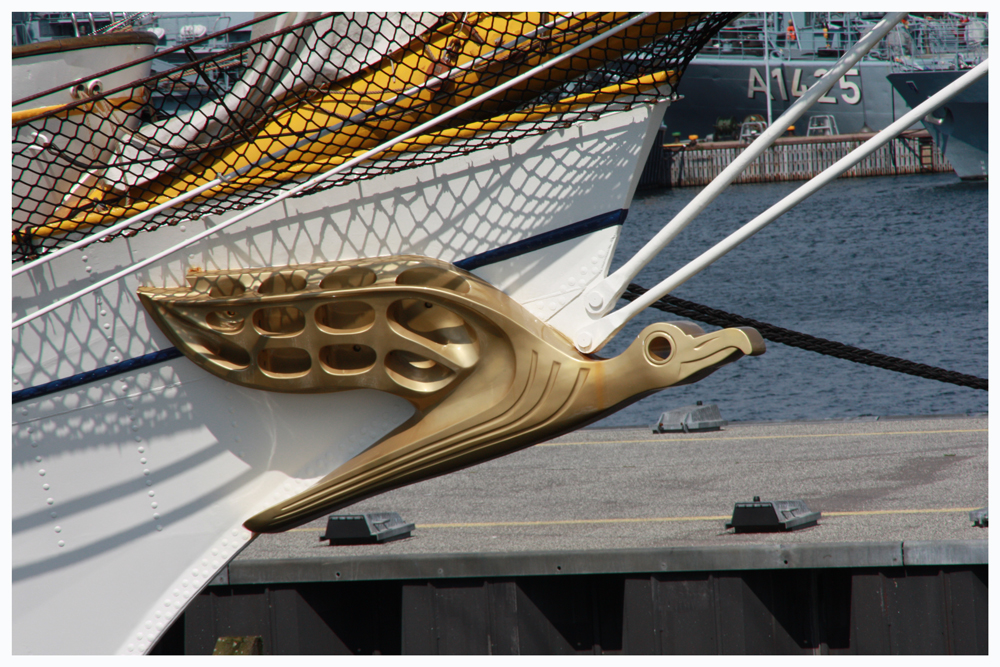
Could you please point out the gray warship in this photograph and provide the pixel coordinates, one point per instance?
(761, 63)
(960, 127)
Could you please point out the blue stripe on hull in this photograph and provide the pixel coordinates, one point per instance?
(543, 240)
(95, 375)
(516, 249)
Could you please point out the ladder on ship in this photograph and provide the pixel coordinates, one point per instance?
(822, 126)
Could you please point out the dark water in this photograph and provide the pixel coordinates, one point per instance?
(897, 265)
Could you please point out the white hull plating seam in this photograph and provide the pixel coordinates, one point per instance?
(129, 493)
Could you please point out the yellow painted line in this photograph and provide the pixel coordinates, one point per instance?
(758, 437)
(946, 510)
(565, 522)
(571, 522)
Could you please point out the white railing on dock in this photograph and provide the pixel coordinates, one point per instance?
(792, 159)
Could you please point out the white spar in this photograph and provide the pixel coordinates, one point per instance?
(594, 335)
(601, 299)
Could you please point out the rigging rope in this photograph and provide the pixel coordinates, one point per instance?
(695, 311)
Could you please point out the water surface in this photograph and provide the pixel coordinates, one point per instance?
(896, 265)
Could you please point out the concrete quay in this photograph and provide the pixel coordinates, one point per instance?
(892, 481)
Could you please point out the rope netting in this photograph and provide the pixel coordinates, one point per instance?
(309, 93)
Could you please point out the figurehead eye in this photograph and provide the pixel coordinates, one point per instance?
(659, 348)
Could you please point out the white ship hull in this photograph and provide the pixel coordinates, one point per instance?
(47, 65)
(109, 542)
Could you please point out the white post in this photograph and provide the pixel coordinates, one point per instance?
(596, 334)
(767, 71)
(601, 299)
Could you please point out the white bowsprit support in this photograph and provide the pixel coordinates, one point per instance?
(599, 300)
(594, 335)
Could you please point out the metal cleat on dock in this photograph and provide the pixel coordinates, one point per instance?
(980, 517)
(369, 528)
(771, 516)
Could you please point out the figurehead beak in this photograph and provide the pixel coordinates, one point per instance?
(696, 354)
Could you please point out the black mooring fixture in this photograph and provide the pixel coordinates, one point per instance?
(980, 517)
(769, 516)
(371, 528)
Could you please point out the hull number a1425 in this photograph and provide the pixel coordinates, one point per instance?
(756, 84)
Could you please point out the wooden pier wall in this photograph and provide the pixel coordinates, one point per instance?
(789, 159)
(836, 610)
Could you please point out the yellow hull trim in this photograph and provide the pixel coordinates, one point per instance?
(128, 103)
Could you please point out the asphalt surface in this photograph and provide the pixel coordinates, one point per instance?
(892, 480)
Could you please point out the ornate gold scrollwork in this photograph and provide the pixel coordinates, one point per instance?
(485, 376)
